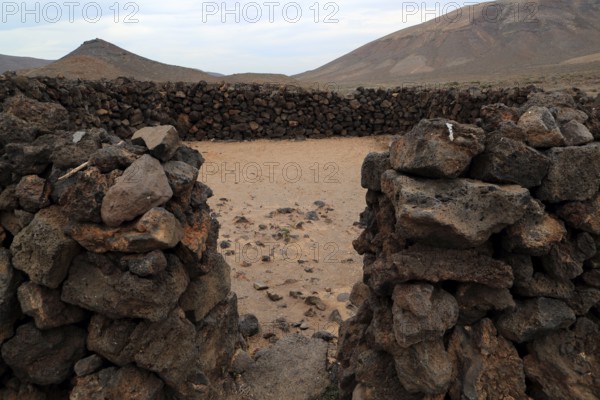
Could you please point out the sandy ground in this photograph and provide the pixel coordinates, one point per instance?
(265, 192)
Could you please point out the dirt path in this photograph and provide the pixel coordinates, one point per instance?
(273, 232)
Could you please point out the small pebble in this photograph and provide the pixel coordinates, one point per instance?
(285, 210)
(260, 286)
(310, 313)
(269, 335)
(312, 216)
(282, 324)
(326, 336)
(241, 220)
(319, 203)
(315, 301)
(343, 297)
(274, 296)
(335, 316)
(248, 325)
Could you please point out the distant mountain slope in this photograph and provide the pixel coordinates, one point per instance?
(98, 59)
(14, 63)
(524, 35)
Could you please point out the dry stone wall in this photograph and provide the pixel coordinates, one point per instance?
(111, 286)
(481, 260)
(234, 112)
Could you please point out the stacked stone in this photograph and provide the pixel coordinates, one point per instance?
(202, 111)
(111, 286)
(481, 260)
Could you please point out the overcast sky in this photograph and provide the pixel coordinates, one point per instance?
(220, 36)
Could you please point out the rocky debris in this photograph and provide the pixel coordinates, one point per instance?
(31, 351)
(110, 158)
(584, 216)
(495, 114)
(487, 365)
(145, 265)
(292, 369)
(574, 174)
(324, 335)
(118, 383)
(130, 255)
(475, 290)
(274, 296)
(162, 141)
(535, 233)
(359, 294)
(9, 305)
(534, 317)
(437, 148)
(376, 373)
(576, 134)
(181, 177)
(452, 213)
(15, 221)
(46, 307)
(564, 364)
(374, 165)
(42, 250)
(88, 365)
(260, 286)
(8, 198)
(567, 114)
(475, 301)
(541, 129)
(33, 193)
(157, 229)
(48, 116)
(424, 367)
(76, 200)
(97, 284)
(197, 233)
(509, 161)
(316, 302)
(438, 265)
(206, 291)
(202, 111)
(249, 325)
(189, 156)
(142, 187)
(422, 313)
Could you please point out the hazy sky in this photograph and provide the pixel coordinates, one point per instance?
(220, 36)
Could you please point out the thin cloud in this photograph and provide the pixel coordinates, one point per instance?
(289, 37)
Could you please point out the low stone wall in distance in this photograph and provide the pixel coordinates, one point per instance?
(481, 260)
(203, 111)
(111, 285)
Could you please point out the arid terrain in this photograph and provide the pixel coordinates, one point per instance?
(12, 63)
(265, 201)
(492, 41)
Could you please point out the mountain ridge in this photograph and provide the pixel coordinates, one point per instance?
(16, 63)
(97, 59)
(516, 39)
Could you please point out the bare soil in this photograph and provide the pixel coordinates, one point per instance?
(264, 193)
